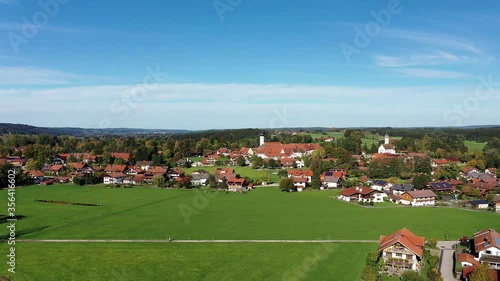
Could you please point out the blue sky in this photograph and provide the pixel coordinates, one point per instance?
(240, 63)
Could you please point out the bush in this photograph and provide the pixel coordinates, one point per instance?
(432, 242)
(371, 203)
(411, 275)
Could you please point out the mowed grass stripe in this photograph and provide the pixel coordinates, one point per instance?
(74, 261)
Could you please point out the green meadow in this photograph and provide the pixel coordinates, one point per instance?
(176, 261)
(474, 146)
(264, 213)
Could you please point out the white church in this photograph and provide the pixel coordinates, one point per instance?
(387, 147)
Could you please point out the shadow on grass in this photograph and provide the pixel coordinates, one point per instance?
(4, 218)
(24, 232)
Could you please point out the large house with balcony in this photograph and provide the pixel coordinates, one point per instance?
(402, 250)
(419, 198)
(487, 247)
(362, 194)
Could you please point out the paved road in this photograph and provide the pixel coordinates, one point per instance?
(185, 241)
(446, 260)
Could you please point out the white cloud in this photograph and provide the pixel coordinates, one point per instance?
(433, 39)
(437, 57)
(432, 73)
(204, 106)
(36, 76)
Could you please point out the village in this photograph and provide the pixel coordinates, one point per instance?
(474, 188)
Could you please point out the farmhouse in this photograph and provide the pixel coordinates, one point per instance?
(236, 184)
(301, 174)
(36, 176)
(330, 182)
(144, 165)
(362, 194)
(300, 183)
(114, 178)
(487, 247)
(199, 179)
(402, 250)
(418, 198)
(387, 147)
(439, 162)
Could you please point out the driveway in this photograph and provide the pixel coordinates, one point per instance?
(446, 259)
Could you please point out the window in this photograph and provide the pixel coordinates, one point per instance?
(488, 252)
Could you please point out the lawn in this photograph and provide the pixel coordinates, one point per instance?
(173, 261)
(474, 146)
(264, 213)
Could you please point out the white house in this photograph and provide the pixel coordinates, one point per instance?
(480, 204)
(387, 147)
(199, 179)
(362, 194)
(402, 250)
(300, 163)
(487, 247)
(114, 178)
(381, 185)
(418, 198)
(331, 182)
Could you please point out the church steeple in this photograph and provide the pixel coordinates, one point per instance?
(386, 139)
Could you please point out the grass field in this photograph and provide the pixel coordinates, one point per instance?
(172, 261)
(264, 213)
(474, 146)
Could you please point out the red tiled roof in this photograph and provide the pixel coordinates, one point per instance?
(115, 168)
(485, 239)
(301, 173)
(224, 171)
(36, 173)
(124, 156)
(464, 257)
(357, 190)
(55, 168)
(440, 161)
(405, 237)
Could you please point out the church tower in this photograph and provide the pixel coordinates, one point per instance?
(386, 139)
(261, 139)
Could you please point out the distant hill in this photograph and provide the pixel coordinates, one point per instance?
(6, 128)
